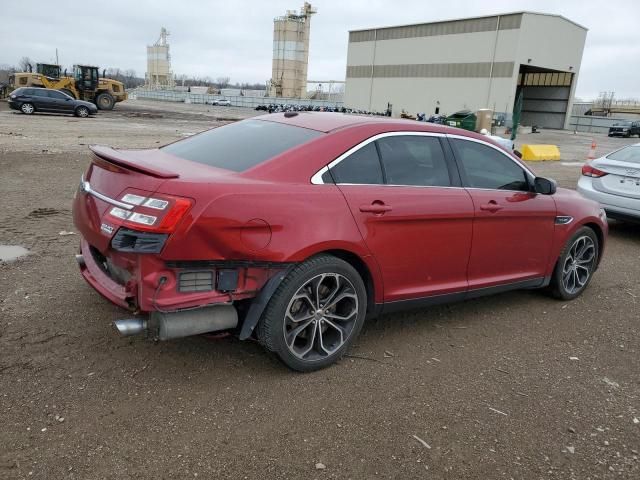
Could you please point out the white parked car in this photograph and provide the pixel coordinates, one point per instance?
(614, 182)
(221, 102)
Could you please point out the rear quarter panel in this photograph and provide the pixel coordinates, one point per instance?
(265, 222)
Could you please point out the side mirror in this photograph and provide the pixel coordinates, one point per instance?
(544, 186)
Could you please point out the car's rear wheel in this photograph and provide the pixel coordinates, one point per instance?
(315, 314)
(82, 112)
(27, 108)
(576, 265)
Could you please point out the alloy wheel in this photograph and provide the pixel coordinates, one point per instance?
(320, 316)
(83, 112)
(578, 264)
(27, 108)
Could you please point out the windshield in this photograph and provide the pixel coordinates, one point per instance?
(242, 145)
(630, 154)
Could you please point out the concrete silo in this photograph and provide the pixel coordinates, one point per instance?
(291, 53)
(159, 74)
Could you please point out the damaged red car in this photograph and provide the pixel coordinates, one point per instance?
(294, 228)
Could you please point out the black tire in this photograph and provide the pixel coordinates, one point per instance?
(560, 288)
(27, 108)
(323, 272)
(105, 101)
(82, 111)
(68, 92)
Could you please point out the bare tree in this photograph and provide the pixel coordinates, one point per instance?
(25, 64)
(113, 73)
(223, 82)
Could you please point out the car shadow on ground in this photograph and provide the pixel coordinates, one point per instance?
(625, 230)
(52, 114)
(411, 328)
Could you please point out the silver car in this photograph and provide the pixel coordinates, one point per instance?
(614, 182)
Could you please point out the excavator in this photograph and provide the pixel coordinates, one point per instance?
(85, 83)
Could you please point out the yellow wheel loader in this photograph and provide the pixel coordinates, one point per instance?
(85, 84)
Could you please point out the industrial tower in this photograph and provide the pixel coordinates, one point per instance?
(291, 53)
(159, 73)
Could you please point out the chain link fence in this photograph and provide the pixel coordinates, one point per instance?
(236, 101)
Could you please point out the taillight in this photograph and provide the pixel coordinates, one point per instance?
(589, 171)
(159, 213)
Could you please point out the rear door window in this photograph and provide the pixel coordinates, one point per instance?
(242, 145)
(414, 160)
(55, 94)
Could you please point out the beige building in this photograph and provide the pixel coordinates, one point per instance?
(291, 53)
(472, 63)
(159, 74)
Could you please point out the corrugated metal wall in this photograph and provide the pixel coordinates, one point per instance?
(432, 70)
(455, 27)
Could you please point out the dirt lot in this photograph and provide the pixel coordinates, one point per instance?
(512, 386)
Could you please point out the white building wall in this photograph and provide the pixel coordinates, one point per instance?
(553, 43)
(421, 94)
(550, 42)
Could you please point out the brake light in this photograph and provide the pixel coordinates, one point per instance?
(160, 213)
(589, 171)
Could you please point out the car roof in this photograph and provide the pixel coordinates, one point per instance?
(329, 121)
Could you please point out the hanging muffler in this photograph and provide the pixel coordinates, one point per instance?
(182, 323)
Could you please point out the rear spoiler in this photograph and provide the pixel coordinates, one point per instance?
(138, 160)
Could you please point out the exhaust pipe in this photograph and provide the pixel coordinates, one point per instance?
(80, 260)
(185, 323)
(130, 326)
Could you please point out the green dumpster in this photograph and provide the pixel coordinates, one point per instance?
(463, 119)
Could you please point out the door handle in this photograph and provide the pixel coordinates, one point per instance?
(492, 206)
(378, 208)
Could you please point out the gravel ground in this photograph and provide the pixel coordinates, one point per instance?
(512, 386)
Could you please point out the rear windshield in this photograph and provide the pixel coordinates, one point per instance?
(242, 145)
(629, 154)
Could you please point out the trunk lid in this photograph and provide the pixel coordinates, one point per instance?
(114, 172)
(623, 178)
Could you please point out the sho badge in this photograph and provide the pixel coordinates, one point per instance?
(108, 229)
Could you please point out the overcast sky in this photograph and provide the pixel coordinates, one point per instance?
(234, 38)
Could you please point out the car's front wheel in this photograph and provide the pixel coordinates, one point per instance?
(315, 314)
(82, 112)
(576, 265)
(27, 108)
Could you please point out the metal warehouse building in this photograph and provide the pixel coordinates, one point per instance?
(470, 64)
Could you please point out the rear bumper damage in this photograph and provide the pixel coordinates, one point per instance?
(100, 281)
(179, 299)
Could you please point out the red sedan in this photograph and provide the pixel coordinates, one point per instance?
(295, 227)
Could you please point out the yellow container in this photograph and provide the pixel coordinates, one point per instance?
(535, 153)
